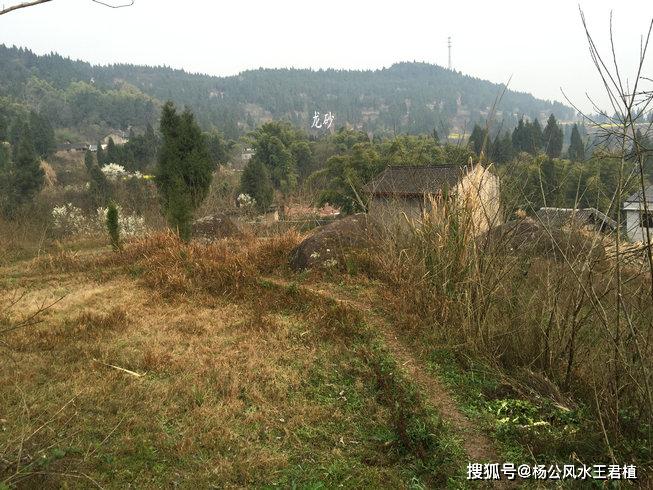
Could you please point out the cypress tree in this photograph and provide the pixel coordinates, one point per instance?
(535, 137)
(576, 150)
(99, 186)
(477, 138)
(25, 175)
(113, 155)
(520, 137)
(552, 138)
(502, 151)
(99, 156)
(5, 176)
(255, 181)
(113, 226)
(184, 169)
(88, 160)
(42, 134)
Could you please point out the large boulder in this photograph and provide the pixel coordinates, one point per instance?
(214, 227)
(327, 245)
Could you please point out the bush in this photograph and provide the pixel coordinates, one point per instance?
(113, 226)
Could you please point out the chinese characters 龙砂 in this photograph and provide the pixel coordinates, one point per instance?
(325, 122)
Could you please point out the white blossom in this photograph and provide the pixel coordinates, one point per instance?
(113, 171)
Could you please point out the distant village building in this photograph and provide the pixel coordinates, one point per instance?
(416, 192)
(73, 147)
(119, 138)
(638, 219)
(587, 218)
(246, 155)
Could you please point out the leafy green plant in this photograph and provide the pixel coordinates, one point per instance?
(113, 226)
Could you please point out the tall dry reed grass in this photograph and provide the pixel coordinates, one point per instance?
(531, 299)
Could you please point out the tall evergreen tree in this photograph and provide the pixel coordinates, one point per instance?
(24, 177)
(303, 156)
(576, 150)
(89, 161)
(4, 126)
(113, 226)
(100, 188)
(272, 143)
(5, 176)
(42, 135)
(255, 181)
(100, 155)
(502, 151)
(184, 168)
(552, 138)
(113, 153)
(477, 139)
(535, 137)
(520, 137)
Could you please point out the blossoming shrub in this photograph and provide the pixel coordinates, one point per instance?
(70, 220)
(113, 171)
(130, 224)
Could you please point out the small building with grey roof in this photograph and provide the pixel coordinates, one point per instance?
(638, 209)
(413, 191)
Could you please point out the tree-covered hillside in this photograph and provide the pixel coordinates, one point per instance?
(406, 97)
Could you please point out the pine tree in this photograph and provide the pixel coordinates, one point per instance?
(502, 151)
(520, 137)
(552, 138)
(272, 147)
(113, 226)
(42, 135)
(576, 150)
(255, 181)
(535, 137)
(184, 169)
(89, 161)
(5, 175)
(99, 156)
(24, 176)
(113, 153)
(477, 139)
(99, 186)
(150, 143)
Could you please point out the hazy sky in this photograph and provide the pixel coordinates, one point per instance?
(541, 44)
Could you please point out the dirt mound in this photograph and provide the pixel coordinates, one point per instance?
(215, 227)
(527, 236)
(328, 243)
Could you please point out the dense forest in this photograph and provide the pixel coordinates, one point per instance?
(409, 98)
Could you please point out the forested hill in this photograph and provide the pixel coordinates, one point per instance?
(406, 97)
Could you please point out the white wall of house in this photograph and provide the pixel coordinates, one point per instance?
(634, 212)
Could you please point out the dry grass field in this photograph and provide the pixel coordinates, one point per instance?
(141, 375)
(218, 366)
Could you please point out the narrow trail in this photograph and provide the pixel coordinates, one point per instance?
(478, 446)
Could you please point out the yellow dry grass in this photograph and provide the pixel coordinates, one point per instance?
(167, 371)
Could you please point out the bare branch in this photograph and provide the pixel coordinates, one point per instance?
(22, 6)
(114, 6)
(38, 2)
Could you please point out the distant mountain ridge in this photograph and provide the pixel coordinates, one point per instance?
(407, 97)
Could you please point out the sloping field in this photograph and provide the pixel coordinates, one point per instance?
(120, 385)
